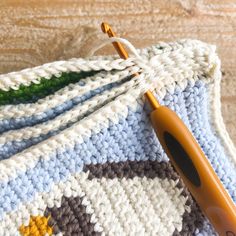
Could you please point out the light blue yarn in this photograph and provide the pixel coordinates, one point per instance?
(10, 148)
(119, 142)
(132, 139)
(210, 144)
(17, 123)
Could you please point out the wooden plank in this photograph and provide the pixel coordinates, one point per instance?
(35, 32)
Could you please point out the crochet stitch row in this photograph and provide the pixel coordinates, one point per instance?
(84, 160)
(119, 105)
(171, 103)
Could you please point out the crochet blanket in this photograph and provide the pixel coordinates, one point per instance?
(78, 155)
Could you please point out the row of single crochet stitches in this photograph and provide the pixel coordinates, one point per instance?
(79, 156)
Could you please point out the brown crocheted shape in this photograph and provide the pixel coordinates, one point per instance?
(71, 217)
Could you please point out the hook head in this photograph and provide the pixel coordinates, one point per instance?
(105, 27)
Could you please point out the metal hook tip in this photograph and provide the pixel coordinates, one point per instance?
(105, 27)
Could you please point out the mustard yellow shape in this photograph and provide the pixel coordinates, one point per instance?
(38, 226)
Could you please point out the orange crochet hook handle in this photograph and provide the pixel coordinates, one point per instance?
(189, 161)
(192, 165)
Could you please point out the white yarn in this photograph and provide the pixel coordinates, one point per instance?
(216, 115)
(64, 94)
(72, 187)
(68, 116)
(80, 109)
(149, 68)
(159, 65)
(191, 59)
(115, 39)
(26, 77)
(33, 75)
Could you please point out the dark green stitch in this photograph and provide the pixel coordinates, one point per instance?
(36, 91)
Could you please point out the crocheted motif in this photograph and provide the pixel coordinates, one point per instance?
(78, 155)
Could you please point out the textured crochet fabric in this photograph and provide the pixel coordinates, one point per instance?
(78, 155)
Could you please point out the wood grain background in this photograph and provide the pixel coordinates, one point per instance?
(35, 32)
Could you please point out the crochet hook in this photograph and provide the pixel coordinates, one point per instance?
(189, 160)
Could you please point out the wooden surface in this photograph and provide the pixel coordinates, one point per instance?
(35, 32)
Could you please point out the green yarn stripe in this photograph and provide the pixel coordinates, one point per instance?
(34, 92)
